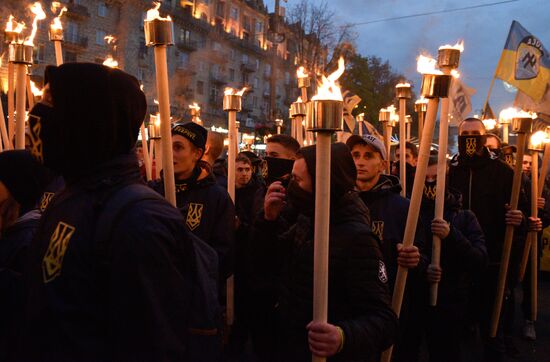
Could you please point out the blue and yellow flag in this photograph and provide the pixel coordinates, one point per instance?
(524, 63)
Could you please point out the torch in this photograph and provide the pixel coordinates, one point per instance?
(435, 85)
(279, 125)
(155, 137)
(408, 122)
(159, 34)
(304, 82)
(521, 124)
(403, 92)
(297, 113)
(384, 117)
(238, 137)
(56, 33)
(421, 106)
(232, 103)
(110, 61)
(360, 119)
(504, 118)
(325, 116)
(28, 86)
(448, 60)
(12, 35)
(20, 54)
(195, 113)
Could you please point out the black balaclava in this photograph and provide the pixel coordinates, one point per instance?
(342, 175)
(470, 146)
(96, 115)
(278, 169)
(24, 177)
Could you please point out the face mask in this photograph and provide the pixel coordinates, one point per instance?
(45, 137)
(300, 199)
(430, 190)
(496, 151)
(278, 169)
(470, 146)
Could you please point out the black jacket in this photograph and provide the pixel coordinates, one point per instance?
(358, 294)
(463, 252)
(486, 185)
(388, 214)
(126, 303)
(208, 211)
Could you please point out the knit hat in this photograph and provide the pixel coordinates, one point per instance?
(24, 177)
(196, 134)
(369, 140)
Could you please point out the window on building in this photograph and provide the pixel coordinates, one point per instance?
(254, 102)
(140, 75)
(102, 10)
(268, 70)
(71, 31)
(245, 58)
(234, 13)
(185, 36)
(200, 87)
(256, 83)
(232, 54)
(100, 37)
(257, 64)
(220, 8)
(246, 23)
(259, 27)
(39, 54)
(245, 78)
(216, 46)
(69, 57)
(231, 75)
(183, 60)
(214, 92)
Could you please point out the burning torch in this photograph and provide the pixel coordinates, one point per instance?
(435, 85)
(360, 119)
(297, 113)
(159, 33)
(232, 103)
(12, 35)
(448, 60)
(195, 113)
(279, 125)
(5, 141)
(408, 122)
(521, 124)
(304, 82)
(505, 118)
(421, 106)
(154, 130)
(403, 92)
(384, 117)
(56, 32)
(325, 116)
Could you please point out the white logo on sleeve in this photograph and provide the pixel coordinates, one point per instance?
(382, 274)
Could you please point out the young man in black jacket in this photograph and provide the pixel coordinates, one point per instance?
(361, 323)
(463, 259)
(485, 183)
(102, 287)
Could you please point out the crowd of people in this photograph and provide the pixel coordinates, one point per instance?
(95, 265)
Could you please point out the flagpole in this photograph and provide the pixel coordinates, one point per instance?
(489, 94)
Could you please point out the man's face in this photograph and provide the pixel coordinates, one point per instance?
(431, 173)
(526, 165)
(368, 162)
(408, 156)
(186, 155)
(301, 176)
(139, 153)
(243, 174)
(491, 143)
(277, 150)
(471, 129)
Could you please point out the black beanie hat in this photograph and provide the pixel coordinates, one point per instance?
(342, 168)
(98, 111)
(24, 177)
(196, 134)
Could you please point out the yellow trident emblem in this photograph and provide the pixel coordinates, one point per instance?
(378, 229)
(34, 135)
(430, 191)
(194, 215)
(53, 260)
(45, 200)
(470, 146)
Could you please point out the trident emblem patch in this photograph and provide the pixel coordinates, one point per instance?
(45, 200)
(470, 146)
(53, 260)
(35, 126)
(194, 215)
(378, 229)
(528, 58)
(430, 191)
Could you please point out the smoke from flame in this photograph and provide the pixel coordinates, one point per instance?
(230, 91)
(427, 65)
(328, 90)
(153, 14)
(459, 46)
(39, 14)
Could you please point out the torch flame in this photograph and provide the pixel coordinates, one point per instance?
(156, 102)
(110, 62)
(56, 23)
(10, 25)
(421, 100)
(403, 85)
(538, 138)
(35, 90)
(455, 73)
(230, 91)
(459, 46)
(109, 39)
(301, 73)
(195, 106)
(39, 14)
(299, 100)
(328, 90)
(427, 65)
(489, 124)
(507, 114)
(153, 14)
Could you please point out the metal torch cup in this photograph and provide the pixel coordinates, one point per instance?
(304, 82)
(325, 116)
(232, 102)
(448, 57)
(402, 92)
(55, 34)
(159, 32)
(20, 53)
(12, 37)
(435, 85)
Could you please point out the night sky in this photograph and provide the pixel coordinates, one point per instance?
(484, 31)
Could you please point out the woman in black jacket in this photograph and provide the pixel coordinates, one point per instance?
(361, 323)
